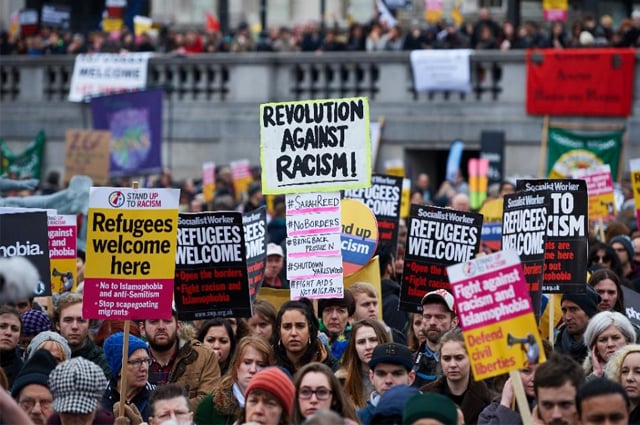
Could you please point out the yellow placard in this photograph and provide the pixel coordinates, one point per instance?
(112, 24)
(405, 201)
(277, 297)
(492, 210)
(120, 252)
(370, 274)
(63, 275)
(359, 235)
(501, 347)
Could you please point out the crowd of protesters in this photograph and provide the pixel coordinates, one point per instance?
(350, 360)
(486, 32)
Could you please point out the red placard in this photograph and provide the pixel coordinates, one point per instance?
(580, 81)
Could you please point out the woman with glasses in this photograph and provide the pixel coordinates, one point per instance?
(138, 388)
(354, 374)
(317, 388)
(601, 256)
(227, 400)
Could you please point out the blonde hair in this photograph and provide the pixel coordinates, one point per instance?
(614, 365)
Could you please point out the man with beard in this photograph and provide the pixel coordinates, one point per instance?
(177, 361)
(438, 316)
(556, 383)
(577, 310)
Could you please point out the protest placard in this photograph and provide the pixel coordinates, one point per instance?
(441, 70)
(383, 199)
(359, 235)
(135, 123)
(131, 253)
(635, 182)
(99, 74)
(437, 237)
(491, 236)
(208, 180)
(87, 154)
(565, 267)
(316, 145)
(24, 233)
(495, 313)
(524, 230)
(631, 305)
(600, 190)
(314, 263)
(241, 175)
(255, 239)
(211, 268)
(63, 234)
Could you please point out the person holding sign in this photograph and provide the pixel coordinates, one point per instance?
(138, 387)
(457, 382)
(295, 340)
(606, 333)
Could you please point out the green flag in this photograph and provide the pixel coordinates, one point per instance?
(26, 164)
(570, 150)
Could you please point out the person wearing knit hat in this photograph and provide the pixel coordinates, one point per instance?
(52, 342)
(390, 408)
(266, 387)
(334, 316)
(31, 387)
(623, 247)
(33, 322)
(138, 388)
(577, 309)
(430, 406)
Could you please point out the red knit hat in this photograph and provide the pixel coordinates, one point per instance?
(276, 382)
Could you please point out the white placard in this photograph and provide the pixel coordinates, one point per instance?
(441, 70)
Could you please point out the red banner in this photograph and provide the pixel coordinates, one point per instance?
(580, 81)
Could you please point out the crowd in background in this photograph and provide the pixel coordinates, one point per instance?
(486, 32)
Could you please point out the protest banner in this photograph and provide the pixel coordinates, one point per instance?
(208, 180)
(570, 150)
(314, 258)
(492, 149)
(594, 81)
(277, 297)
(524, 230)
(63, 234)
(631, 304)
(384, 199)
(255, 238)
(555, 10)
(211, 266)
(24, 233)
(491, 237)
(56, 16)
(24, 165)
(436, 238)
(602, 205)
(28, 19)
(241, 174)
(359, 237)
(130, 253)
(441, 70)
(495, 313)
(100, 74)
(135, 123)
(635, 182)
(565, 267)
(316, 145)
(87, 154)
(478, 181)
